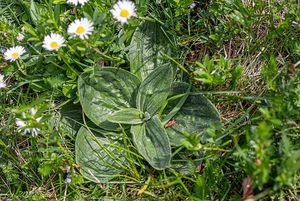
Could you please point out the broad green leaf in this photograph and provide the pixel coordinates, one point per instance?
(185, 167)
(28, 28)
(71, 117)
(34, 60)
(34, 12)
(103, 91)
(195, 116)
(71, 120)
(99, 161)
(152, 142)
(154, 90)
(147, 45)
(182, 98)
(127, 116)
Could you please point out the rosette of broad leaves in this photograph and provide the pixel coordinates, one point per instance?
(140, 104)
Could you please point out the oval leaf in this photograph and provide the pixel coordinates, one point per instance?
(145, 51)
(127, 116)
(154, 90)
(152, 142)
(98, 160)
(195, 116)
(103, 91)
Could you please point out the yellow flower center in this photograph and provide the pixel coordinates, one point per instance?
(124, 13)
(80, 30)
(15, 55)
(54, 44)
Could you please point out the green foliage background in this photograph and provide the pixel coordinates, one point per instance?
(242, 55)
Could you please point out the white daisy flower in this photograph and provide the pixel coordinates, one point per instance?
(53, 42)
(14, 53)
(76, 2)
(81, 27)
(123, 10)
(2, 82)
(22, 125)
(20, 37)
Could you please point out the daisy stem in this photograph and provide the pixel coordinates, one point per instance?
(71, 68)
(146, 19)
(106, 56)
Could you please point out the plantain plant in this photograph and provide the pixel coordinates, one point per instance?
(148, 104)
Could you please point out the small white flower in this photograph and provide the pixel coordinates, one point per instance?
(20, 37)
(123, 10)
(81, 27)
(53, 42)
(22, 125)
(14, 53)
(32, 111)
(76, 2)
(2, 82)
(34, 131)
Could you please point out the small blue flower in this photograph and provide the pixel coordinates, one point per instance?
(68, 179)
(192, 6)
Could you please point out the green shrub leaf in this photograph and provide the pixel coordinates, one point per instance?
(103, 91)
(98, 160)
(155, 89)
(147, 45)
(152, 142)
